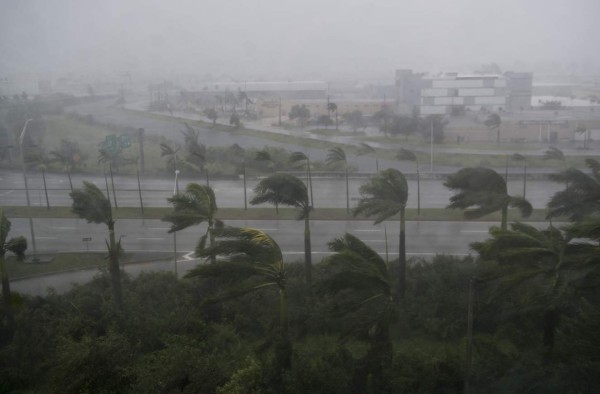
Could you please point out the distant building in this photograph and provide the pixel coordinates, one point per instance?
(442, 94)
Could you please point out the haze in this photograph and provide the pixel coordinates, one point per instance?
(280, 39)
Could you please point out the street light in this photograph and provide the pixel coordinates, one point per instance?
(21, 140)
(175, 192)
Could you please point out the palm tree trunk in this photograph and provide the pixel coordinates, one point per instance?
(284, 353)
(402, 257)
(70, 181)
(211, 237)
(347, 193)
(113, 267)
(307, 251)
(312, 200)
(550, 323)
(525, 180)
(504, 218)
(5, 282)
(45, 188)
(112, 182)
(418, 191)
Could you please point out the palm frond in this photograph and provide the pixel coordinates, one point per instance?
(18, 246)
(383, 195)
(365, 149)
(90, 203)
(405, 154)
(336, 155)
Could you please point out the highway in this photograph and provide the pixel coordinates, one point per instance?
(327, 192)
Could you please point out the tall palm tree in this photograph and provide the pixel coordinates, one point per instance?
(297, 157)
(335, 156)
(366, 149)
(486, 191)
(405, 154)
(196, 205)
(493, 122)
(538, 267)
(332, 107)
(264, 156)
(289, 190)
(523, 159)
(385, 195)
(249, 260)
(16, 245)
(360, 286)
(581, 197)
(92, 205)
(555, 154)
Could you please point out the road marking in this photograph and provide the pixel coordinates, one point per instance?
(190, 256)
(6, 193)
(150, 239)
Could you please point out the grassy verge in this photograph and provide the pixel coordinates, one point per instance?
(427, 214)
(60, 263)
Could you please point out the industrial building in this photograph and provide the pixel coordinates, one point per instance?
(449, 92)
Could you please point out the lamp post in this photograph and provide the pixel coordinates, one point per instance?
(175, 192)
(21, 140)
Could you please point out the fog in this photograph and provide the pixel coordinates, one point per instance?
(281, 39)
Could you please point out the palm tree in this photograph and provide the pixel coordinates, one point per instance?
(332, 107)
(16, 245)
(582, 129)
(265, 157)
(360, 286)
(196, 205)
(366, 149)
(92, 205)
(297, 157)
(521, 158)
(486, 191)
(539, 267)
(555, 154)
(385, 195)
(405, 154)
(581, 197)
(250, 260)
(493, 122)
(288, 190)
(337, 155)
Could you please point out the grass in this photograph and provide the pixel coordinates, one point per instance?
(427, 214)
(60, 263)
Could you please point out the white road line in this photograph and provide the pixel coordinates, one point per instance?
(6, 193)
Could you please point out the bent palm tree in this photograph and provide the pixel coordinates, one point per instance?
(250, 260)
(405, 154)
(366, 149)
(288, 190)
(385, 195)
(196, 205)
(486, 191)
(90, 204)
(539, 267)
(360, 286)
(521, 158)
(581, 197)
(297, 157)
(493, 122)
(337, 155)
(16, 245)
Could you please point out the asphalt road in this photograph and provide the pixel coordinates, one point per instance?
(422, 238)
(327, 192)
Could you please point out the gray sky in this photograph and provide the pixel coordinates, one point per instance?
(283, 39)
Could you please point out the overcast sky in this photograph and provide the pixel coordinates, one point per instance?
(302, 39)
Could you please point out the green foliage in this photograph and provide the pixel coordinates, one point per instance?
(90, 204)
(581, 196)
(384, 195)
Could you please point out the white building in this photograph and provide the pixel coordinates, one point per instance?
(441, 94)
